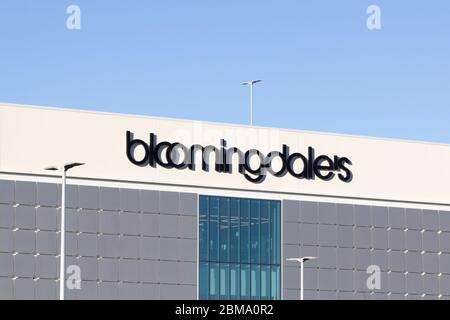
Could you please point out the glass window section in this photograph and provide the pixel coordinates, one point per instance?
(240, 246)
(245, 282)
(203, 228)
(265, 232)
(214, 281)
(275, 283)
(224, 281)
(265, 282)
(245, 231)
(204, 281)
(214, 229)
(255, 282)
(224, 227)
(255, 231)
(275, 232)
(234, 230)
(235, 282)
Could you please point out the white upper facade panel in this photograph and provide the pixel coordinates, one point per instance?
(134, 149)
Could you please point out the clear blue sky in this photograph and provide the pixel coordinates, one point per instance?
(323, 69)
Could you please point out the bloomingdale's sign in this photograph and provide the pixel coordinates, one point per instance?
(176, 155)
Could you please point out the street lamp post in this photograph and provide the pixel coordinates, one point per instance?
(62, 252)
(302, 261)
(250, 84)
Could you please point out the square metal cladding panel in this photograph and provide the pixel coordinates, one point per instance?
(47, 194)
(308, 212)
(291, 211)
(380, 217)
(327, 213)
(362, 216)
(25, 193)
(345, 236)
(327, 235)
(344, 214)
(6, 192)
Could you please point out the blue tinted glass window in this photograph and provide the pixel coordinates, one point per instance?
(235, 230)
(245, 281)
(275, 232)
(240, 248)
(224, 227)
(214, 281)
(245, 231)
(265, 232)
(235, 282)
(255, 282)
(203, 228)
(265, 282)
(214, 229)
(254, 231)
(275, 282)
(224, 281)
(204, 280)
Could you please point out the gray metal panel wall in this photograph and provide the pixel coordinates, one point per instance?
(411, 247)
(130, 244)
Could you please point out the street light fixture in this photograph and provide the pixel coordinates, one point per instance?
(62, 252)
(302, 261)
(250, 84)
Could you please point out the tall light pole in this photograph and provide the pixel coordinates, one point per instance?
(302, 261)
(62, 252)
(251, 83)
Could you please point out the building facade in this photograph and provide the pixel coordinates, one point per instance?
(177, 209)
